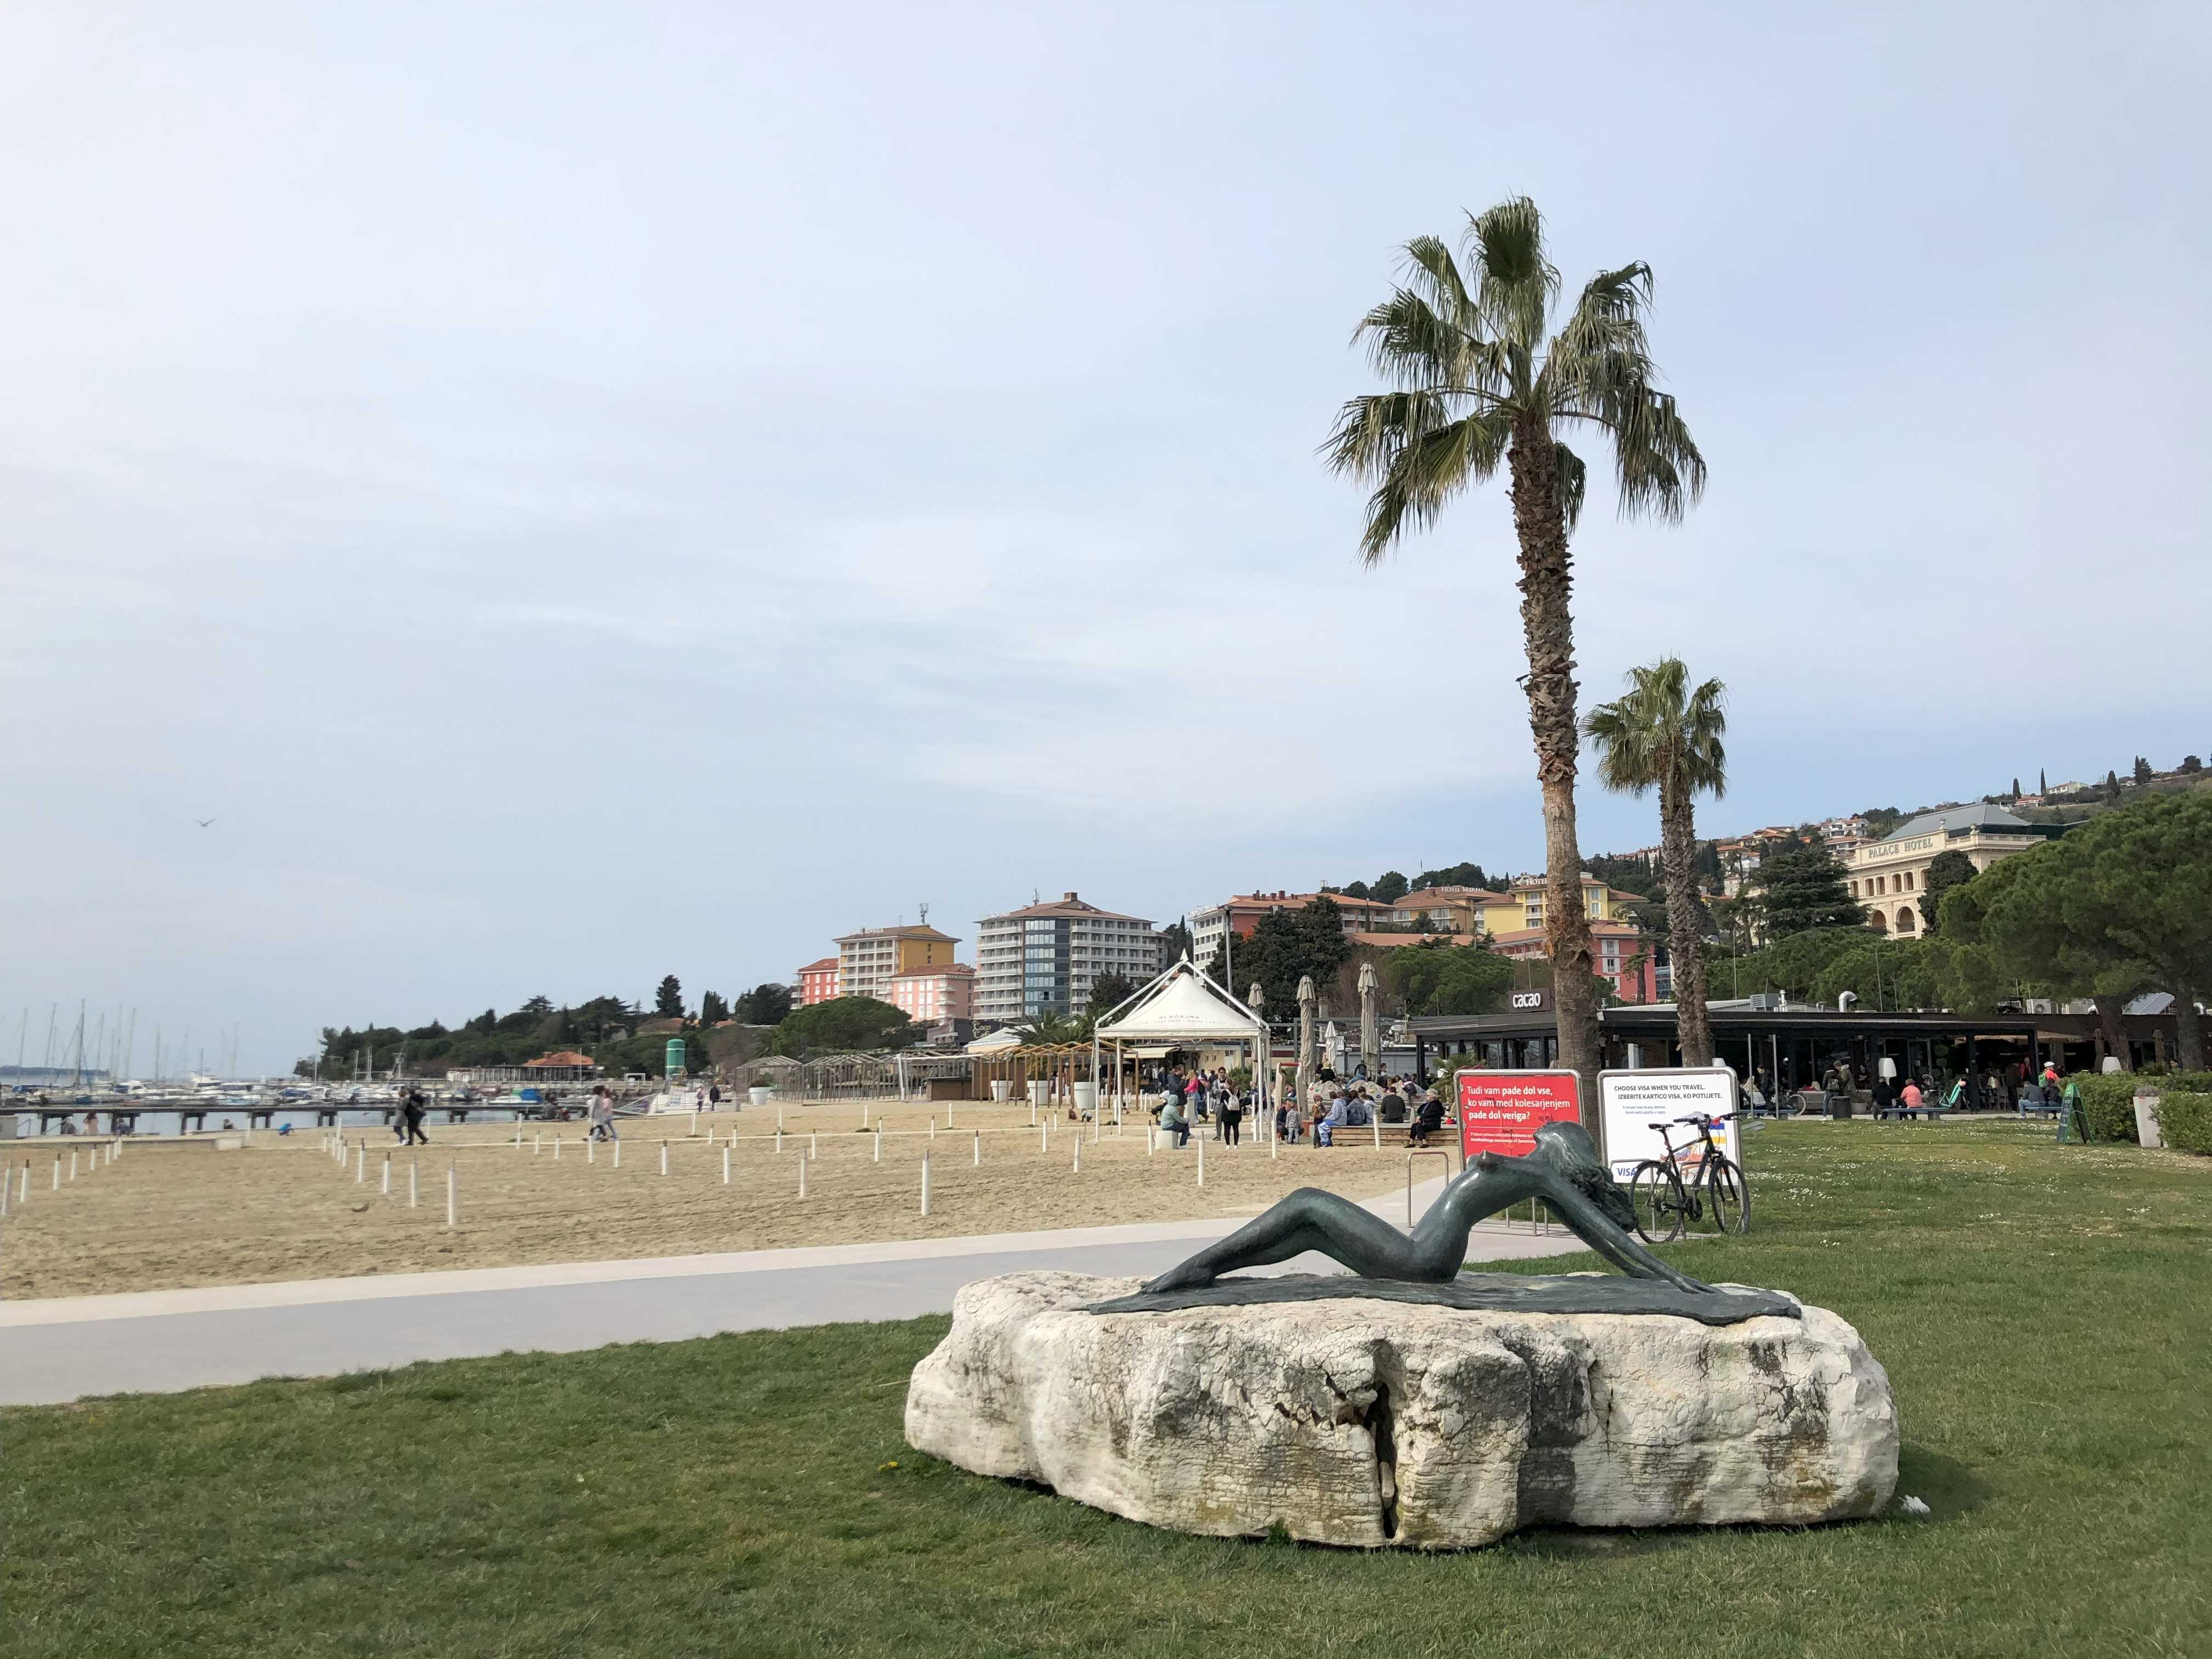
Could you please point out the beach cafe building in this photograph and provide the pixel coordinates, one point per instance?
(1793, 1045)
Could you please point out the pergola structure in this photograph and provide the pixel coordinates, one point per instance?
(1181, 1009)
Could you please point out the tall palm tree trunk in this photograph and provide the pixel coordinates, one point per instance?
(1547, 630)
(1678, 845)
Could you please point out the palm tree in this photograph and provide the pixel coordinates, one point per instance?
(1663, 735)
(1477, 382)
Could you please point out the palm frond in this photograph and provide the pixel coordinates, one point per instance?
(1514, 291)
(1574, 484)
(1421, 468)
(1429, 266)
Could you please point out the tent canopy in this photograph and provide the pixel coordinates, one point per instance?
(1181, 1005)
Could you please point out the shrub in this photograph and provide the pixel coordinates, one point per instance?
(2110, 1100)
(2185, 1122)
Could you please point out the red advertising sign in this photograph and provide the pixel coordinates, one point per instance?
(1501, 1111)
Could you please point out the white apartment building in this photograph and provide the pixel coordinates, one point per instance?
(1043, 958)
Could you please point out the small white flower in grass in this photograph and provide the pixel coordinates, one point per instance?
(1912, 1506)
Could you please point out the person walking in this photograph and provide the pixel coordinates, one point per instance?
(602, 1113)
(714, 1096)
(1232, 1118)
(412, 1112)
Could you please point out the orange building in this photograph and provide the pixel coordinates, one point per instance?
(817, 982)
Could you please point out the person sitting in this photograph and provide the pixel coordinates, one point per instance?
(1338, 1113)
(1172, 1122)
(1428, 1118)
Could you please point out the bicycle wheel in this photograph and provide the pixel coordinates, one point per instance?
(1730, 1195)
(1655, 1192)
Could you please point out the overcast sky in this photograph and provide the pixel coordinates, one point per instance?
(578, 493)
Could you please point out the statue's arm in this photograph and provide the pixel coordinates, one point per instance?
(1608, 1237)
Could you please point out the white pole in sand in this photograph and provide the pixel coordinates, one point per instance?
(779, 1135)
(1202, 1160)
(556, 1149)
(725, 1166)
(1148, 1140)
(361, 1164)
(23, 1187)
(803, 1163)
(979, 1149)
(1044, 1137)
(452, 1198)
(387, 1175)
(1377, 1121)
(591, 1150)
(925, 1180)
(879, 1141)
(664, 1157)
(1078, 1155)
(618, 1155)
(413, 1183)
(72, 1164)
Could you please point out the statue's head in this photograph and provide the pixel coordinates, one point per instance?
(1568, 1148)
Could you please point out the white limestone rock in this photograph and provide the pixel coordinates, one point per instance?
(1374, 1423)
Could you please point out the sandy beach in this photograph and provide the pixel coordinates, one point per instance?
(167, 1215)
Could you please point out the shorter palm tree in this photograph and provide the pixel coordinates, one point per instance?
(1664, 735)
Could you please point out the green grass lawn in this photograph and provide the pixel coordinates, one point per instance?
(2045, 1314)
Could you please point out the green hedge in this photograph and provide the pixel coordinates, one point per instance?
(2185, 1122)
(2110, 1100)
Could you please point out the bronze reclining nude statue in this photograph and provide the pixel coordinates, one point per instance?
(1563, 1170)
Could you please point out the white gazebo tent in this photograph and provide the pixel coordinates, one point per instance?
(1181, 1008)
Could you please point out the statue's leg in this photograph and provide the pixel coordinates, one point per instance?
(1308, 1219)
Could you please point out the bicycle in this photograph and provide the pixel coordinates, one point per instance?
(1665, 1203)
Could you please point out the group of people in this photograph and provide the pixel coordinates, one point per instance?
(2015, 1088)
(1186, 1100)
(1189, 1098)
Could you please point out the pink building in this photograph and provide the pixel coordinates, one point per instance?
(1620, 953)
(928, 996)
(817, 982)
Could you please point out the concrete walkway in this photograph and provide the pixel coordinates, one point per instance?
(161, 1341)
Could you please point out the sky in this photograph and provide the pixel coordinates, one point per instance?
(579, 493)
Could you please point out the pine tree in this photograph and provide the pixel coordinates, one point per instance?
(2016, 789)
(2042, 781)
(1801, 885)
(668, 1000)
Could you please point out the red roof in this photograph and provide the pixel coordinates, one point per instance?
(568, 1057)
(826, 965)
(1066, 905)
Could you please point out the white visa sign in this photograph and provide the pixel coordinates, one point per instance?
(1630, 1102)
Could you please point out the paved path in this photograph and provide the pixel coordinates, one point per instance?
(159, 1341)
